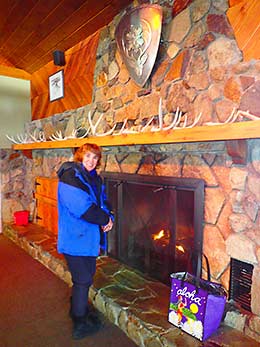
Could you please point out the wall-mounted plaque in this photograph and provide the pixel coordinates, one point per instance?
(56, 86)
(138, 37)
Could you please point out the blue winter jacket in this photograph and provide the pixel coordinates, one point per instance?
(82, 209)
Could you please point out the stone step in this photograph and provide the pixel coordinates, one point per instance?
(136, 304)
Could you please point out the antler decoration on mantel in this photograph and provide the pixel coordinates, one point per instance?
(39, 136)
(58, 136)
(94, 127)
(19, 138)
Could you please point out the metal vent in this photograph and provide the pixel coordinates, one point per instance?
(240, 283)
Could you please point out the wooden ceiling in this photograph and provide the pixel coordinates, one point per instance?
(30, 30)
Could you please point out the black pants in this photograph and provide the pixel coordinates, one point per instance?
(82, 269)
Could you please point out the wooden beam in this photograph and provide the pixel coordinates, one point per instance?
(234, 131)
(13, 72)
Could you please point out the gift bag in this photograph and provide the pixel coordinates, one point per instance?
(196, 305)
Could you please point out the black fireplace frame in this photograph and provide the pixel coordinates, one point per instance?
(192, 184)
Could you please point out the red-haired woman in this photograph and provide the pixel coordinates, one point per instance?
(84, 214)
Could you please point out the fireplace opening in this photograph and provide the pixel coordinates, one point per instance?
(158, 222)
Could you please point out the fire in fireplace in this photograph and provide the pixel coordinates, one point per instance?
(158, 224)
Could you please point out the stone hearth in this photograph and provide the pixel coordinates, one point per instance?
(137, 305)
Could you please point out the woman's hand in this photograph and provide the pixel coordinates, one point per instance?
(109, 226)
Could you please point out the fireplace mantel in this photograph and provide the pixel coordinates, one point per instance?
(219, 132)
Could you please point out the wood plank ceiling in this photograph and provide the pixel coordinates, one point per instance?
(30, 30)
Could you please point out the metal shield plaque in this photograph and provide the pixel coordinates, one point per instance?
(138, 37)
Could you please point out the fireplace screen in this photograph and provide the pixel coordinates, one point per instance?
(158, 227)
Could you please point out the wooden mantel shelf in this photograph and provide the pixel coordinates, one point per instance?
(234, 131)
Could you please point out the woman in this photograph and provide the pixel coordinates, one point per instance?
(83, 216)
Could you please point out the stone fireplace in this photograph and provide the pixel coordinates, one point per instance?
(230, 220)
(199, 68)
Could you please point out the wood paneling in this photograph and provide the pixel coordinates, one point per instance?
(245, 20)
(234, 2)
(46, 203)
(78, 81)
(12, 72)
(31, 29)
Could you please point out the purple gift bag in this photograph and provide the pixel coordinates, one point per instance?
(196, 305)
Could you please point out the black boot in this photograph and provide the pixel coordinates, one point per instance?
(95, 318)
(92, 317)
(82, 329)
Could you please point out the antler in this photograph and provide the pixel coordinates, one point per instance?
(57, 136)
(233, 116)
(12, 139)
(248, 115)
(231, 119)
(37, 136)
(84, 135)
(20, 138)
(109, 132)
(147, 124)
(92, 126)
(196, 120)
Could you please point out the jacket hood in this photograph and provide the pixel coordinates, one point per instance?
(67, 166)
(79, 169)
